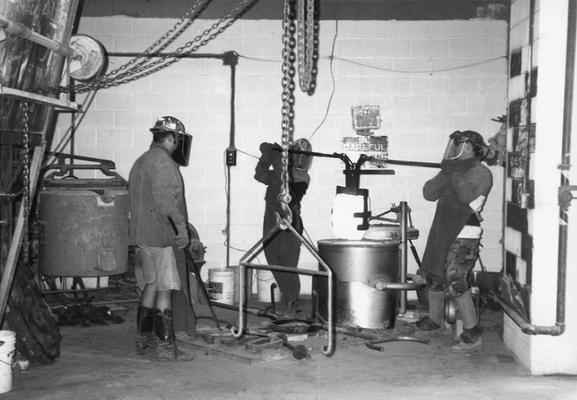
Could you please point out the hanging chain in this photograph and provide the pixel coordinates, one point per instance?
(123, 75)
(307, 37)
(288, 101)
(25, 179)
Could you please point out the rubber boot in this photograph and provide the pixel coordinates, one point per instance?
(145, 340)
(164, 329)
(436, 317)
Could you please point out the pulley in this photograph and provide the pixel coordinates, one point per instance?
(89, 59)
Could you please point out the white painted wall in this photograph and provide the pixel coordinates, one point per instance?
(545, 354)
(428, 77)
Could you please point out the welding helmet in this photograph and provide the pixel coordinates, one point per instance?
(458, 142)
(302, 161)
(171, 125)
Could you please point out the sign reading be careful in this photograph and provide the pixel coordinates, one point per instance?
(374, 146)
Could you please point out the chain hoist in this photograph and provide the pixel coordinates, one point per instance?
(25, 178)
(288, 101)
(307, 38)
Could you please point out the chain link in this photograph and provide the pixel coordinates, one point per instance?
(25, 178)
(144, 68)
(288, 101)
(307, 29)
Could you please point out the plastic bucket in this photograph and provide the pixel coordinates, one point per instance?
(7, 350)
(247, 283)
(265, 279)
(221, 285)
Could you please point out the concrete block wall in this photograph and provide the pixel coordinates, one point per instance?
(429, 78)
(547, 112)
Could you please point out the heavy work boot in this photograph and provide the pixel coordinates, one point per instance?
(165, 341)
(166, 349)
(471, 338)
(435, 320)
(145, 340)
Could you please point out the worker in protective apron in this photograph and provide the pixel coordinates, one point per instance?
(157, 209)
(460, 190)
(284, 248)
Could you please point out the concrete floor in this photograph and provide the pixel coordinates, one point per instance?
(99, 362)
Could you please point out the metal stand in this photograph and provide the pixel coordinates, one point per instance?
(402, 286)
(245, 262)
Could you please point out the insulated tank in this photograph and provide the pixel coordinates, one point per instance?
(83, 227)
(356, 265)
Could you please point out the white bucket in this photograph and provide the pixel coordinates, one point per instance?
(221, 285)
(265, 279)
(7, 350)
(247, 283)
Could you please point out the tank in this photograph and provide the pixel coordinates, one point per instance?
(27, 66)
(83, 227)
(357, 264)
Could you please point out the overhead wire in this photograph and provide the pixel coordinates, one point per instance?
(331, 58)
(379, 68)
(333, 82)
(423, 71)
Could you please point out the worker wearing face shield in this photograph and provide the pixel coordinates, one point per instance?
(284, 248)
(158, 225)
(460, 190)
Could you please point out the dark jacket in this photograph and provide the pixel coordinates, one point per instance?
(156, 191)
(458, 183)
(298, 185)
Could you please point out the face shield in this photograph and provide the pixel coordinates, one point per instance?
(302, 161)
(181, 154)
(455, 146)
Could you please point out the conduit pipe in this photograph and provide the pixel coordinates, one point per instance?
(17, 29)
(564, 191)
(229, 58)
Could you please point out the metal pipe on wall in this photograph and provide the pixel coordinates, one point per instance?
(229, 58)
(17, 29)
(403, 264)
(565, 166)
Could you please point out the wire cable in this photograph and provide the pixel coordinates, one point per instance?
(400, 71)
(248, 154)
(68, 134)
(331, 60)
(427, 71)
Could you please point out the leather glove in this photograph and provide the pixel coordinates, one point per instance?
(197, 245)
(197, 249)
(182, 240)
(268, 148)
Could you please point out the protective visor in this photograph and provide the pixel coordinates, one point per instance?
(455, 146)
(181, 154)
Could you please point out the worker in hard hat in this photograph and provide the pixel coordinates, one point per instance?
(460, 190)
(284, 248)
(158, 222)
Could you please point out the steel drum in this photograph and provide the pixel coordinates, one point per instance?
(357, 263)
(83, 227)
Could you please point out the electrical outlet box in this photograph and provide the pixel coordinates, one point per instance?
(230, 156)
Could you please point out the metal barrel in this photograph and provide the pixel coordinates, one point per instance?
(357, 265)
(83, 228)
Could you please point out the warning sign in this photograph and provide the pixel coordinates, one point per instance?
(372, 146)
